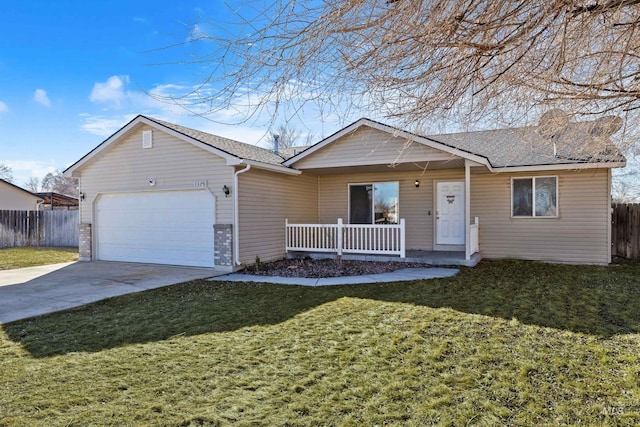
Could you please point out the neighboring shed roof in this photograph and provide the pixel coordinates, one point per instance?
(59, 200)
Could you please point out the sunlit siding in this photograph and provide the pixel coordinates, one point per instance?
(173, 163)
(416, 205)
(13, 199)
(367, 146)
(579, 235)
(266, 200)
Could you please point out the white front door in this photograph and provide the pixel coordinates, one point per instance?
(450, 213)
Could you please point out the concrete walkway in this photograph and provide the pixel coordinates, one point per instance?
(33, 291)
(395, 276)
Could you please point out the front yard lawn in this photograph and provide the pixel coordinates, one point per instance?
(505, 343)
(32, 256)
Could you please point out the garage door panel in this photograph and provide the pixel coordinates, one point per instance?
(165, 227)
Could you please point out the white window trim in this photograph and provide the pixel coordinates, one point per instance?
(373, 204)
(533, 191)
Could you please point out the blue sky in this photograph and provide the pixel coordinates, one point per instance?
(73, 72)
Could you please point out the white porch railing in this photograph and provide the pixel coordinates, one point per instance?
(474, 241)
(382, 239)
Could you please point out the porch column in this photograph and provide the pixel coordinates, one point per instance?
(467, 210)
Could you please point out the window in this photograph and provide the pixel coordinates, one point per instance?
(375, 203)
(534, 197)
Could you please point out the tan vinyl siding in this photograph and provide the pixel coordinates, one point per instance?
(173, 163)
(578, 235)
(415, 204)
(14, 199)
(266, 199)
(367, 146)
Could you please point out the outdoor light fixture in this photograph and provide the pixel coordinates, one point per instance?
(226, 190)
(81, 196)
(417, 183)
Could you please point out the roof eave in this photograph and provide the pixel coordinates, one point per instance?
(265, 166)
(562, 166)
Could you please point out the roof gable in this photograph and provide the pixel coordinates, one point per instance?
(234, 152)
(396, 138)
(370, 146)
(512, 148)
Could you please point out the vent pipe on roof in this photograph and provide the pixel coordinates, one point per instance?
(275, 144)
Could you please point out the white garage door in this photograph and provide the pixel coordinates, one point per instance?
(160, 227)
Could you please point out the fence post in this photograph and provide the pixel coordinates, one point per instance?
(403, 243)
(339, 231)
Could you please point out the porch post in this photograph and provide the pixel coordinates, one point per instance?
(467, 210)
(286, 235)
(403, 244)
(339, 237)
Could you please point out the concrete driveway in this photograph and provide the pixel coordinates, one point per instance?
(33, 291)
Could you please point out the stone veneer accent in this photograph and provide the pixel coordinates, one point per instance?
(223, 246)
(85, 242)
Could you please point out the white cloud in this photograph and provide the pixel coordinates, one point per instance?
(183, 104)
(24, 169)
(104, 126)
(40, 96)
(3, 107)
(111, 91)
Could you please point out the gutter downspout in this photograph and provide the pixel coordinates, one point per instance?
(236, 217)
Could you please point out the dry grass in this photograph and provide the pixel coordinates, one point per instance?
(505, 343)
(32, 256)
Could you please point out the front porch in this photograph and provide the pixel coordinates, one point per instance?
(434, 258)
(375, 242)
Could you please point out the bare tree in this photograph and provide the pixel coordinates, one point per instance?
(58, 183)
(6, 172)
(33, 184)
(625, 185)
(420, 62)
(288, 136)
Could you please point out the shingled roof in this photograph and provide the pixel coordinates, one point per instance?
(239, 149)
(526, 146)
(577, 143)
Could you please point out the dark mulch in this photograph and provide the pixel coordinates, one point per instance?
(308, 267)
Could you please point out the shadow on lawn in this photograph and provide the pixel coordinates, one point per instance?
(600, 301)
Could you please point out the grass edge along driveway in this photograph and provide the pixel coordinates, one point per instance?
(504, 343)
(31, 256)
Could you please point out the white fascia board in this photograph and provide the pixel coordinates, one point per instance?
(265, 166)
(566, 166)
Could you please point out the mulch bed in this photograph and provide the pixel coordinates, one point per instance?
(311, 268)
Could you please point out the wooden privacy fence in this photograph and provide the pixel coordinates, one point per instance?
(625, 230)
(38, 228)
